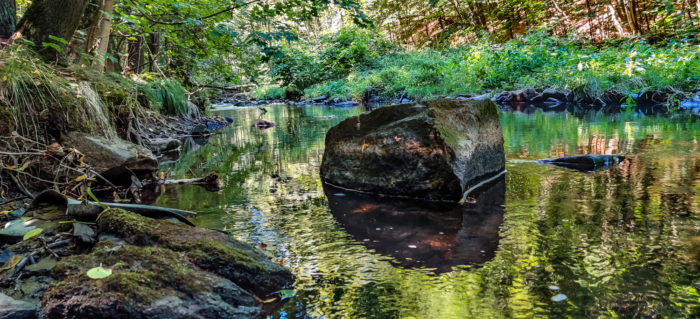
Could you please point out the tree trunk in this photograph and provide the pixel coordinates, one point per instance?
(112, 64)
(154, 51)
(97, 39)
(8, 16)
(46, 18)
(136, 57)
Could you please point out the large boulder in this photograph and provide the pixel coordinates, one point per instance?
(111, 157)
(163, 268)
(432, 151)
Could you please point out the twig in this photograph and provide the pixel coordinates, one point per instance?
(13, 200)
(21, 186)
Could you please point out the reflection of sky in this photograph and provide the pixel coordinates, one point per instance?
(594, 236)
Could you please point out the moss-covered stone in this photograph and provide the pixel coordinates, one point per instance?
(434, 150)
(145, 282)
(213, 251)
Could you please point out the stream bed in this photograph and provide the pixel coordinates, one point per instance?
(542, 241)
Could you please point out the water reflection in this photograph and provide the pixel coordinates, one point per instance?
(621, 242)
(421, 234)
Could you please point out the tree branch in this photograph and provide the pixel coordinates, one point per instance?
(155, 21)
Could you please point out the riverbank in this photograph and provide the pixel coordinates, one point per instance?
(74, 141)
(372, 70)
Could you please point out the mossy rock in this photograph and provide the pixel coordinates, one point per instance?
(146, 282)
(210, 250)
(434, 150)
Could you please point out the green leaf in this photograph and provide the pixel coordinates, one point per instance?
(58, 39)
(32, 233)
(97, 201)
(99, 272)
(51, 45)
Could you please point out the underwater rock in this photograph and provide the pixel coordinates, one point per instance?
(112, 158)
(432, 151)
(586, 163)
(15, 309)
(162, 268)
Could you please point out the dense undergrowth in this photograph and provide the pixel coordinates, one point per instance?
(353, 62)
(39, 99)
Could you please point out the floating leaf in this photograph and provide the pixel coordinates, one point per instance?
(32, 233)
(99, 272)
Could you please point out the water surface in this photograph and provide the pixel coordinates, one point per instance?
(543, 241)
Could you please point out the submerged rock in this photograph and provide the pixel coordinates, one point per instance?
(432, 151)
(586, 163)
(111, 158)
(162, 268)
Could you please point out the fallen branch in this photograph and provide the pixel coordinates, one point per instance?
(210, 182)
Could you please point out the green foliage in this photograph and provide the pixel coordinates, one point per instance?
(167, 95)
(536, 60)
(269, 92)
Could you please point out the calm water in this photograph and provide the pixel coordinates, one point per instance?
(543, 241)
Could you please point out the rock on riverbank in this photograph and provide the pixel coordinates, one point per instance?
(162, 268)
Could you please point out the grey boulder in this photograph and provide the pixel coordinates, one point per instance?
(111, 157)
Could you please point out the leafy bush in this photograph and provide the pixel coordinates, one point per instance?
(269, 92)
(537, 60)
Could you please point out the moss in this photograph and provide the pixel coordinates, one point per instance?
(208, 249)
(140, 274)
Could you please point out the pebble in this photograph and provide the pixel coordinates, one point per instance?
(412, 246)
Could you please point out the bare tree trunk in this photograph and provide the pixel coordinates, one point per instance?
(46, 18)
(97, 40)
(8, 18)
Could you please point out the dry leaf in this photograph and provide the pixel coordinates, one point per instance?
(80, 178)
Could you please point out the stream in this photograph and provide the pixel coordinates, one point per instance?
(542, 241)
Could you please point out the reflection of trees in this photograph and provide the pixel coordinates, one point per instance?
(555, 135)
(615, 242)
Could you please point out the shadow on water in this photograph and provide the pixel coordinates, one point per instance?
(422, 234)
